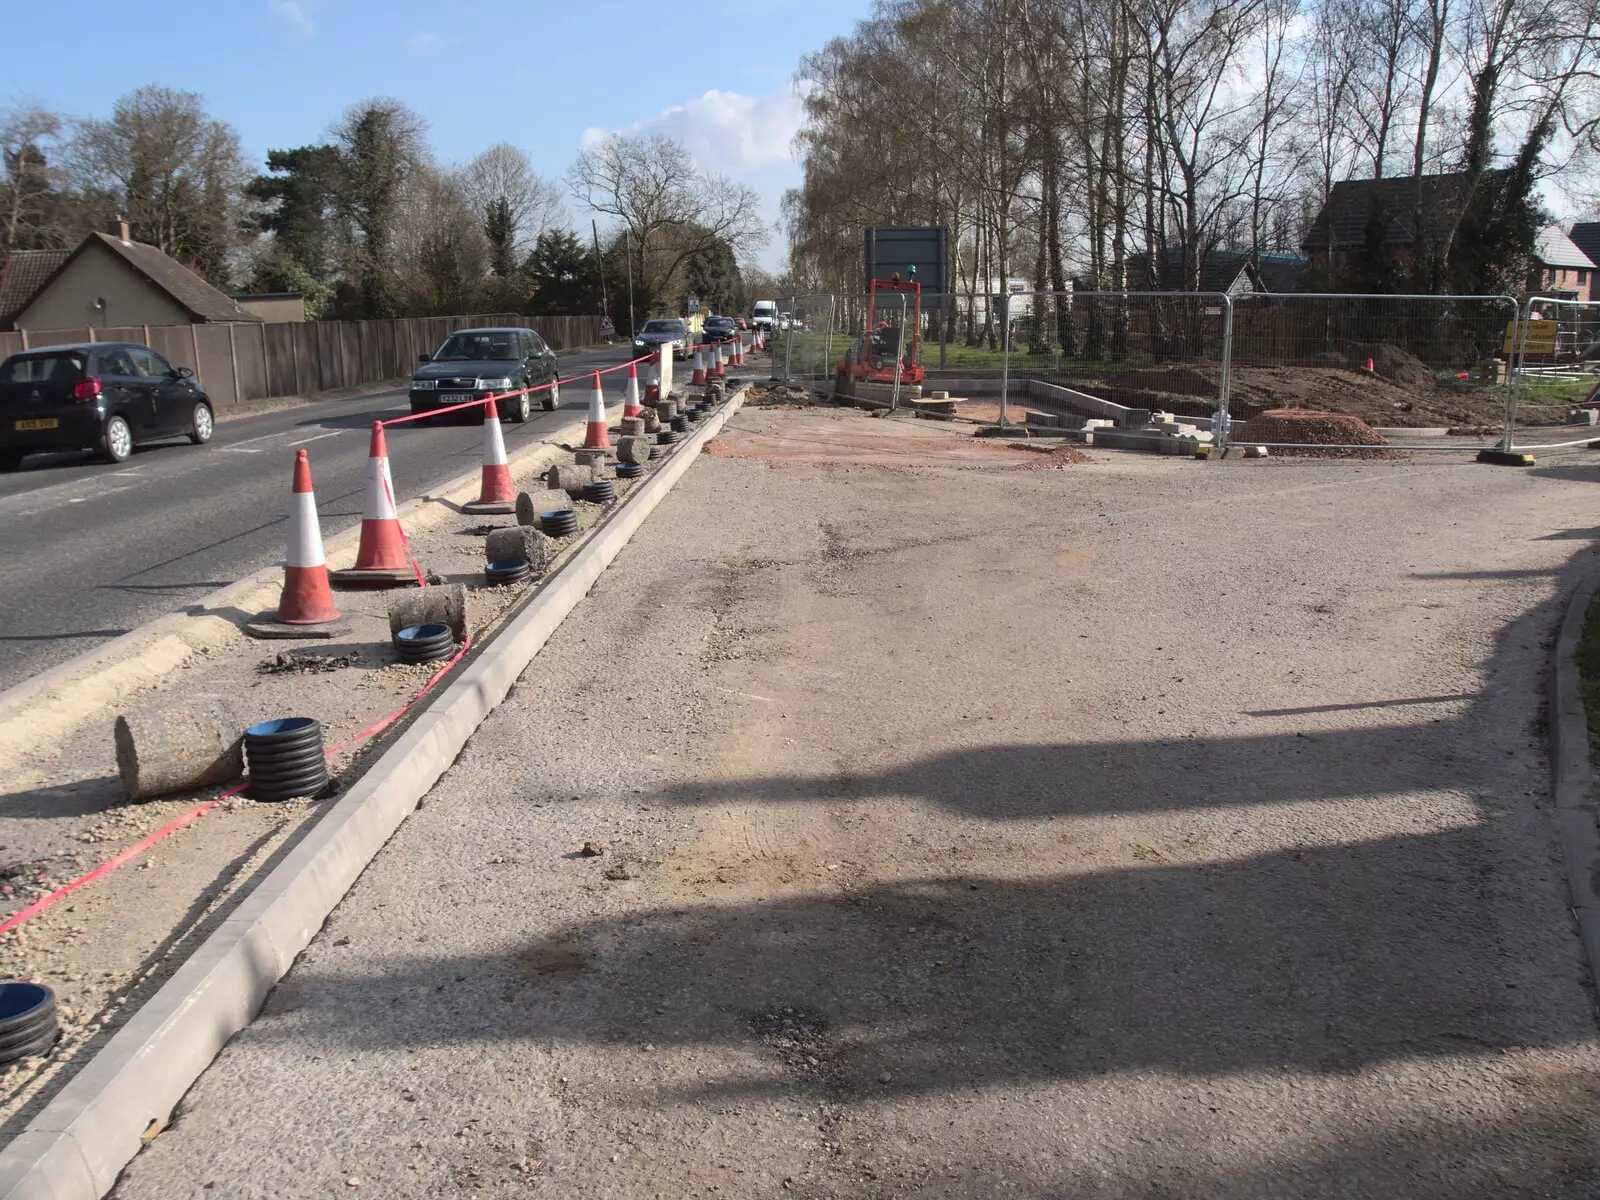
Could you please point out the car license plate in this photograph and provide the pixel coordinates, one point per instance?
(456, 397)
(40, 423)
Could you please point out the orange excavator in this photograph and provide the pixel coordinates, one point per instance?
(879, 355)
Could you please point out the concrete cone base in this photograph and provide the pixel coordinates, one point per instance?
(374, 577)
(265, 627)
(490, 506)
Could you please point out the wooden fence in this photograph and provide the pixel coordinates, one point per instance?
(242, 362)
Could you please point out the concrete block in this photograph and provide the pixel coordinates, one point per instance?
(1050, 420)
(1099, 423)
(1255, 451)
(516, 541)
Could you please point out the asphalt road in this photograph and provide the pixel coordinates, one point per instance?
(94, 549)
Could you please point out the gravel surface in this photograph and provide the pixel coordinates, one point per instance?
(110, 945)
(1143, 827)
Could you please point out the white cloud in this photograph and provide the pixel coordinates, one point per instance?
(423, 43)
(725, 131)
(293, 14)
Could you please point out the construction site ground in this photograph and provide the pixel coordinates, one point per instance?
(110, 945)
(1129, 827)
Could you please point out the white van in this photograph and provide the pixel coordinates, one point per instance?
(762, 314)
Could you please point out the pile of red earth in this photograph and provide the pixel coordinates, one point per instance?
(1303, 433)
(1044, 457)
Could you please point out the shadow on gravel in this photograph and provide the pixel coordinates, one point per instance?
(1316, 960)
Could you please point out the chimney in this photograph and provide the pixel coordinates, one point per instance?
(122, 230)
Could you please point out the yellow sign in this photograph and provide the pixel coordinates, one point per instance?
(1538, 337)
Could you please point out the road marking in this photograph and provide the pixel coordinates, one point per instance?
(318, 438)
(237, 450)
(264, 437)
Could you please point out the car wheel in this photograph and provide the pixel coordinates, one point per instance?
(548, 401)
(521, 409)
(10, 460)
(116, 442)
(202, 425)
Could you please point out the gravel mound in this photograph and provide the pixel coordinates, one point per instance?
(1311, 433)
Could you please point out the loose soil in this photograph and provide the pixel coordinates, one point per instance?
(1315, 434)
(1400, 391)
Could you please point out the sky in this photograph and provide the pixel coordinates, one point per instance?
(716, 74)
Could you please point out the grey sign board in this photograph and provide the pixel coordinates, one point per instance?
(895, 249)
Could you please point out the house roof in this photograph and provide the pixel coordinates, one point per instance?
(1553, 248)
(1220, 270)
(202, 301)
(1353, 203)
(22, 275)
(1586, 236)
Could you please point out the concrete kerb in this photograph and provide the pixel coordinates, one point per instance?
(76, 1147)
(40, 710)
(1572, 780)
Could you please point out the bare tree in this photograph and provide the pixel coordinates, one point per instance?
(672, 211)
(175, 173)
(512, 203)
(30, 200)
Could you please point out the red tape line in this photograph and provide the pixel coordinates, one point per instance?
(138, 848)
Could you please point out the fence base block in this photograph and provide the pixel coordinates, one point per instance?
(1501, 458)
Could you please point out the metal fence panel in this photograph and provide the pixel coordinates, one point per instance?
(1554, 349)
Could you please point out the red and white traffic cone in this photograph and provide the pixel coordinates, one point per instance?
(652, 389)
(738, 349)
(630, 395)
(698, 379)
(497, 494)
(307, 599)
(595, 437)
(716, 368)
(381, 557)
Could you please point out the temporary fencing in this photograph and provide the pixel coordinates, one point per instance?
(1299, 371)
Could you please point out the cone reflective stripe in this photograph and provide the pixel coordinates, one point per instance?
(652, 389)
(496, 493)
(699, 376)
(630, 395)
(595, 437)
(307, 599)
(382, 548)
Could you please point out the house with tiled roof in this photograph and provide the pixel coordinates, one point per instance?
(1398, 215)
(1561, 268)
(112, 282)
(22, 274)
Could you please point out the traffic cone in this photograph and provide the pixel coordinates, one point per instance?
(307, 599)
(1369, 367)
(652, 390)
(716, 361)
(497, 494)
(630, 395)
(381, 558)
(738, 349)
(698, 379)
(595, 437)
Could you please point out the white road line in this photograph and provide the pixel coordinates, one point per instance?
(318, 438)
(237, 450)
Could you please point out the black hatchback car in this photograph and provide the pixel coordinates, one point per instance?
(104, 396)
(718, 329)
(473, 363)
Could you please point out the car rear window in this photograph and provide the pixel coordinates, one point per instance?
(42, 368)
(663, 327)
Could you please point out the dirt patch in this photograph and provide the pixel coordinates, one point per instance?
(1043, 455)
(848, 437)
(1399, 391)
(1312, 434)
